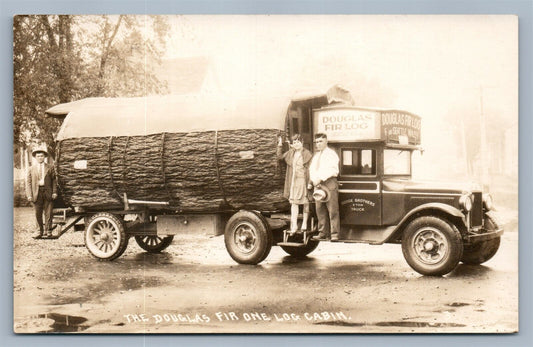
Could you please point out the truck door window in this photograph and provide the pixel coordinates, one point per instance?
(397, 162)
(358, 162)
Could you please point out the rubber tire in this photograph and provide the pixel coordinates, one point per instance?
(480, 252)
(259, 227)
(123, 238)
(450, 234)
(301, 252)
(164, 242)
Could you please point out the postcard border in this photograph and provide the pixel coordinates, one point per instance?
(522, 9)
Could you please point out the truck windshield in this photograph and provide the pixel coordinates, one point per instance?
(397, 162)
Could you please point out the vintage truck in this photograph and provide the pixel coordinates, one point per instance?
(137, 167)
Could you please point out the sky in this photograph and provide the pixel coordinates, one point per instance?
(422, 63)
(436, 66)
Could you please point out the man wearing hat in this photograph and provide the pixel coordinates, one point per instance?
(323, 173)
(41, 190)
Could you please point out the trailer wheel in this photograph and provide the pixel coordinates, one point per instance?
(105, 237)
(248, 238)
(432, 246)
(153, 243)
(300, 252)
(480, 252)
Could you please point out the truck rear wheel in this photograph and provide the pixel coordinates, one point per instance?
(105, 237)
(301, 251)
(432, 246)
(480, 252)
(153, 243)
(248, 238)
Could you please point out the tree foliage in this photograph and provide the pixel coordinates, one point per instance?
(63, 58)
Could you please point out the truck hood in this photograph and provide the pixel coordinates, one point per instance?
(408, 185)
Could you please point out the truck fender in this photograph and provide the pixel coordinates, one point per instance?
(447, 209)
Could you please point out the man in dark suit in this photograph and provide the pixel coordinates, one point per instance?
(41, 191)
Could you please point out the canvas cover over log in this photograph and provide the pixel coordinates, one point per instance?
(198, 153)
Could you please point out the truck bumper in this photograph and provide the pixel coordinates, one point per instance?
(486, 234)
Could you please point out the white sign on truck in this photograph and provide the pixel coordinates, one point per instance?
(343, 124)
(348, 124)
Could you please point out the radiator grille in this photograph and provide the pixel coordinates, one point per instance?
(476, 219)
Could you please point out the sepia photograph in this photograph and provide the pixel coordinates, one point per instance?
(302, 174)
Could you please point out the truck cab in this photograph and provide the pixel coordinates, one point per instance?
(437, 224)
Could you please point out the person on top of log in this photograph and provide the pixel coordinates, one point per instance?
(41, 191)
(323, 172)
(297, 159)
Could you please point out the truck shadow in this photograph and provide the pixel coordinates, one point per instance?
(290, 260)
(154, 258)
(470, 271)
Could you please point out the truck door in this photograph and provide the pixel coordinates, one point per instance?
(359, 186)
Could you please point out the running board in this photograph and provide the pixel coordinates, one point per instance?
(305, 236)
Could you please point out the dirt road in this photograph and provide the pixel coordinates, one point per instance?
(194, 286)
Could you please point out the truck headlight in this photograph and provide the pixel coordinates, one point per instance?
(466, 202)
(487, 201)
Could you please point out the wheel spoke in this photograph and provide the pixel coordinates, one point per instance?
(97, 228)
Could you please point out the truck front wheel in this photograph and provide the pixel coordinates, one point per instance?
(480, 252)
(248, 238)
(432, 246)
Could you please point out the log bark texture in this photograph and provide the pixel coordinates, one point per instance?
(204, 171)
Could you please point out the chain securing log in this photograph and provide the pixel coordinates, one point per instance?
(219, 181)
(109, 147)
(165, 185)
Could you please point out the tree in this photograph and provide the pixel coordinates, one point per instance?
(58, 59)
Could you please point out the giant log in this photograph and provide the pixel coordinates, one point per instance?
(194, 171)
